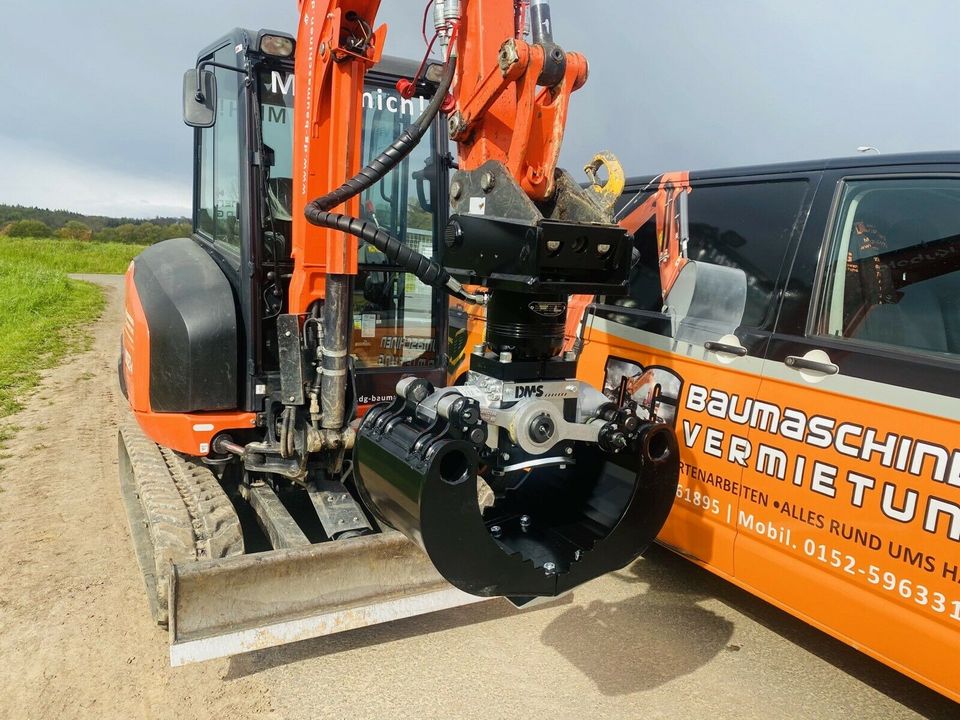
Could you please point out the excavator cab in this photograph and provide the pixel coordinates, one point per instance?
(244, 178)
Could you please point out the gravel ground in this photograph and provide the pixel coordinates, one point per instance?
(662, 639)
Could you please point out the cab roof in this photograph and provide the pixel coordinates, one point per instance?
(388, 65)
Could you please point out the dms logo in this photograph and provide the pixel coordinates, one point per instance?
(527, 391)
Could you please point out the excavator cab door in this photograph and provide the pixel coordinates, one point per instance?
(399, 324)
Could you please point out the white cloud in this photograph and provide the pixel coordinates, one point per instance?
(36, 176)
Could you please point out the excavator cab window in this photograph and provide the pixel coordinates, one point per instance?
(397, 321)
(218, 209)
(276, 122)
(393, 311)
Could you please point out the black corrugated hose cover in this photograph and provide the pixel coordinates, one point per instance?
(427, 271)
(317, 212)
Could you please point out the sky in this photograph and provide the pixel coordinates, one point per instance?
(93, 122)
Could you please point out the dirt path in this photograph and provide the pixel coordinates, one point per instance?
(662, 639)
(75, 634)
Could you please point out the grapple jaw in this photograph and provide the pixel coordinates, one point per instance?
(555, 523)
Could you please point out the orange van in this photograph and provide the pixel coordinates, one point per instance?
(799, 325)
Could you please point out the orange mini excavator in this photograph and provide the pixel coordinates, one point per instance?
(302, 457)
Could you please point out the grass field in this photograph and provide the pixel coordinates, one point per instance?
(42, 308)
(68, 256)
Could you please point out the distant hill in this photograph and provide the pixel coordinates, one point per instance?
(19, 220)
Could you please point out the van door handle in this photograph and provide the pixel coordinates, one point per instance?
(801, 363)
(720, 347)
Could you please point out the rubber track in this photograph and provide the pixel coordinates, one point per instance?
(188, 515)
(216, 527)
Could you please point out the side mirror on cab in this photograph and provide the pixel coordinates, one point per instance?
(199, 98)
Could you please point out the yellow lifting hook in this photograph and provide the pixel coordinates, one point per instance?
(606, 192)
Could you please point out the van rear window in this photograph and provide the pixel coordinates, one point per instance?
(744, 226)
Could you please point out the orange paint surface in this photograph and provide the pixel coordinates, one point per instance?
(837, 508)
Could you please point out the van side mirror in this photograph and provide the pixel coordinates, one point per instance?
(199, 98)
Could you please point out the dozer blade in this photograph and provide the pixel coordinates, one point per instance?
(234, 605)
(217, 601)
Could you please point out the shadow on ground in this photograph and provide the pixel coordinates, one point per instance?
(663, 633)
(676, 585)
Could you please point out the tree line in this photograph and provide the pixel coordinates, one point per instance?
(21, 221)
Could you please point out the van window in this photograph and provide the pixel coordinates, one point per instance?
(893, 272)
(744, 226)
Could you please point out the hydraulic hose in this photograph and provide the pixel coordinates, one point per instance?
(428, 271)
(389, 158)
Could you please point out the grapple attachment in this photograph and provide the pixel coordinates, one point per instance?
(572, 499)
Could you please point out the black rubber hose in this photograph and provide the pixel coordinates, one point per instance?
(428, 271)
(389, 158)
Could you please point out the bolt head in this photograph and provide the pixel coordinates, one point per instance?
(487, 181)
(524, 520)
(495, 530)
(549, 567)
(508, 56)
(456, 124)
(569, 451)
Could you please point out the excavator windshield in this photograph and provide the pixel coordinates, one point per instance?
(395, 315)
(276, 122)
